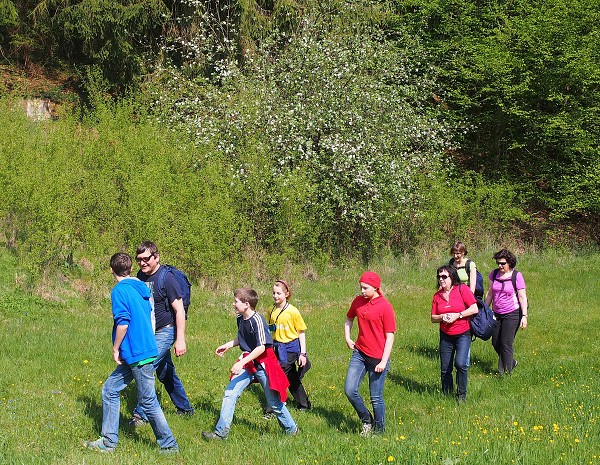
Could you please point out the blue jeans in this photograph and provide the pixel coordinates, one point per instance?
(165, 371)
(234, 390)
(455, 350)
(111, 403)
(358, 368)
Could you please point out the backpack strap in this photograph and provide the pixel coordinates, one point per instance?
(513, 279)
(160, 282)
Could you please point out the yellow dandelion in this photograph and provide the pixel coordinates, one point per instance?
(516, 423)
(390, 458)
(576, 440)
(85, 361)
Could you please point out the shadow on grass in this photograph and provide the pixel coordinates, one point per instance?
(485, 366)
(337, 419)
(411, 385)
(93, 409)
(432, 353)
(207, 406)
(425, 351)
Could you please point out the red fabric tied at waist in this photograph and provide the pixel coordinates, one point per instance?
(268, 360)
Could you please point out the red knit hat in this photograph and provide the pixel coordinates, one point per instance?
(372, 279)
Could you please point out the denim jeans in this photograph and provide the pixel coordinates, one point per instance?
(165, 371)
(455, 350)
(111, 402)
(503, 338)
(234, 390)
(358, 368)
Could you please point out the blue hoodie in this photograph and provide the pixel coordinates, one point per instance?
(131, 306)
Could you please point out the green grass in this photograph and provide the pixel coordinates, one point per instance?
(55, 355)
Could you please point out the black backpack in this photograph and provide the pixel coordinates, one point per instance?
(479, 278)
(182, 279)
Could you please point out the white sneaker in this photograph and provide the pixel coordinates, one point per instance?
(367, 430)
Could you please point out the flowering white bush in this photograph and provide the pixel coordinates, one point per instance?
(337, 126)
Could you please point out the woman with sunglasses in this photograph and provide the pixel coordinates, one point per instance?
(508, 298)
(451, 308)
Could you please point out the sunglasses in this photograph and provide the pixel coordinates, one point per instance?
(442, 276)
(501, 263)
(144, 259)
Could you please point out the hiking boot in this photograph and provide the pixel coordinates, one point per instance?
(137, 421)
(98, 445)
(169, 450)
(367, 430)
(185, 413)
(212, 436)
(295, 432)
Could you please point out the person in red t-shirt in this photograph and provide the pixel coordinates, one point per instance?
(452, 304)
(371, 351)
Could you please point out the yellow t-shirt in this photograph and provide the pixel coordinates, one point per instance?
(288, 323)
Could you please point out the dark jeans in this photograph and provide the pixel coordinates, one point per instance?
(503, 339)
(294, 375)
(454, 350)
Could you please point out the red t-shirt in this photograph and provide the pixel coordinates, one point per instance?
(375, 319)
(458, 301)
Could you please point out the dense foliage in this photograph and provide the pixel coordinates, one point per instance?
(320, 129)
(527, 76)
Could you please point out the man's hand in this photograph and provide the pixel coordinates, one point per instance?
(180, 348)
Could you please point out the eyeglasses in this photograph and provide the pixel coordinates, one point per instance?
(501, 263)
(442, 276)
(144, 259)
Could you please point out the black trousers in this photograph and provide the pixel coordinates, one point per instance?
(503, 339)
(295, 374)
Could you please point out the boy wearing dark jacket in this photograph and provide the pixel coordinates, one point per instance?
(134, 351)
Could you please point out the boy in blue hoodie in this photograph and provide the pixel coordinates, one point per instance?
(134, 351)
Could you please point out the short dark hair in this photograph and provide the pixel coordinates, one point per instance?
(121, 263)
(452, 272)
(247, 295)
(147, 245)
(459, 247)
(506, 254)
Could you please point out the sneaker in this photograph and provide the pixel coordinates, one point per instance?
(515, 363)
(269, 415)
(169, 450)
(98, 445)
(212, 436)
(367, 430)
(295, 432)
(185, 413)
(137, 421)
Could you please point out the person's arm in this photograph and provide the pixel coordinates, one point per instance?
(435, 317)
(179, 346)
(347, 333)
(220, 351)
(473, 277)
(522, 296)
(302, 356)
(119, 336)
(387, 350)
(489, 295)
(238, 366)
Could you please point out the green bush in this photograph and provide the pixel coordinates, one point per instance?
(75, 193)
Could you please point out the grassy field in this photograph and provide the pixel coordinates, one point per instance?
(55, 355)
